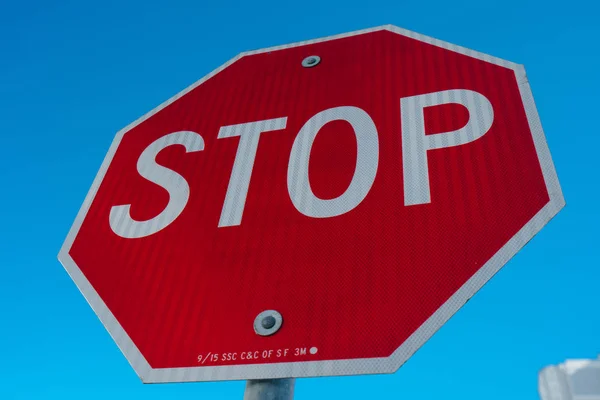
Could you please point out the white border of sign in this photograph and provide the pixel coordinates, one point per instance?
(337, 367)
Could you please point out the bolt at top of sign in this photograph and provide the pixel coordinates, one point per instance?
(392, 180)
(311, 61)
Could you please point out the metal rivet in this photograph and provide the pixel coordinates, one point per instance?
(267, 322)
(311, 61)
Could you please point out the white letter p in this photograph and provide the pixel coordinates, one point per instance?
(415, 142)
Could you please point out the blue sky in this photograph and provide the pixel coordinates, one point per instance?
(73, 73)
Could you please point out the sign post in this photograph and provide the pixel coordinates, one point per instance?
(270, 389)
(315, 209)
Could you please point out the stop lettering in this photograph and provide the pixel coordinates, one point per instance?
(414, 139)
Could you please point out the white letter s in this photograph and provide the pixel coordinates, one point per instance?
(179, 191)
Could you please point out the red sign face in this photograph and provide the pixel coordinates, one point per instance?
(356, 190)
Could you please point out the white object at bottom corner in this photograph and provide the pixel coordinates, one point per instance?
(572, 380)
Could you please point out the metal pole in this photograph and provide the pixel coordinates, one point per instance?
(270, 389)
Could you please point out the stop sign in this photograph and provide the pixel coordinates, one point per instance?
(314, 209)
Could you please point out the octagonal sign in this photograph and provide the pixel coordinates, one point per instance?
(320, 208)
